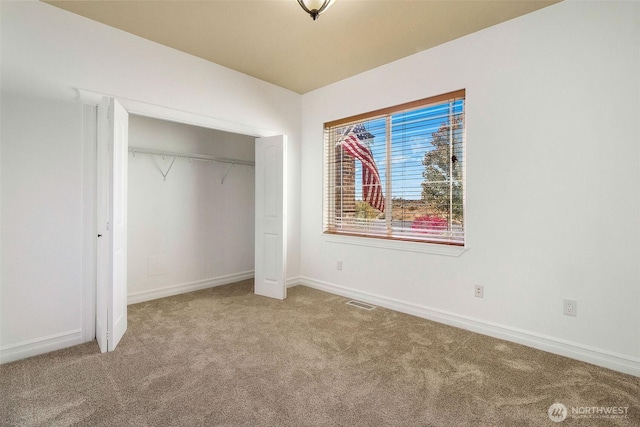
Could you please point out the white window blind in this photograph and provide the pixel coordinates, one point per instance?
(399, 172)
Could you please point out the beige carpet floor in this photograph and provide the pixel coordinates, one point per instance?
(225, 357)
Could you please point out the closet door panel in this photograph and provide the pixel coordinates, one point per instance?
(111, 296)
(271, 198)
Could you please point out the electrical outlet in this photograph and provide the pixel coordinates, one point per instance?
(479, 291)
(339, 265)
(570, 307)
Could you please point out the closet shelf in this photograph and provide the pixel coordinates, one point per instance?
(194, 156)
(176, 154)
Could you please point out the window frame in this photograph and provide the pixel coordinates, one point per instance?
(411, 243)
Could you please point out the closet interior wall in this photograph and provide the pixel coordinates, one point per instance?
(188, 231)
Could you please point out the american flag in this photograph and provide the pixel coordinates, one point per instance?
(352, 142)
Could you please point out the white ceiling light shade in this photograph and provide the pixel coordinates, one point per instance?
(315, 7)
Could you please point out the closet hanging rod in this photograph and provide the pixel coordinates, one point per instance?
(195, 156)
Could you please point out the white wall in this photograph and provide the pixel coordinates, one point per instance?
(553, 184)
(41, 223)
(190, 231)
(47, 55)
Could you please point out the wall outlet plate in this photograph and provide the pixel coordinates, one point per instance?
(479, 291)
(570, 307)
(338, 265)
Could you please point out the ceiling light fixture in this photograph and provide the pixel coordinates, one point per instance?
(315, 7)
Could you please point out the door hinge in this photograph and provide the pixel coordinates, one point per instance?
(107, 225)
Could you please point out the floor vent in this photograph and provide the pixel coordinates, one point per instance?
(362, 305)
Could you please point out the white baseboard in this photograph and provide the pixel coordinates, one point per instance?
(41, 345)
(293, 281)
(595, 356)
(168, 291)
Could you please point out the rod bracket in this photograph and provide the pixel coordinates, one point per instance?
(227, 172)
(164, 174)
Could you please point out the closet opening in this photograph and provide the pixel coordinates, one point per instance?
(191, 208)
(177, 206)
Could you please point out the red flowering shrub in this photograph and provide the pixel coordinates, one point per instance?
(430, 222)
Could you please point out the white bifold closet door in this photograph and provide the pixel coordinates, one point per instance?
(112, 156)
(271, 221)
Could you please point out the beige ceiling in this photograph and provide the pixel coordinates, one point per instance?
(274, 40)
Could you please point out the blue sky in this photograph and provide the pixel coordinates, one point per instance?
(412, 138)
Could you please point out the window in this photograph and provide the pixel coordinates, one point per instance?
(398, 173)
